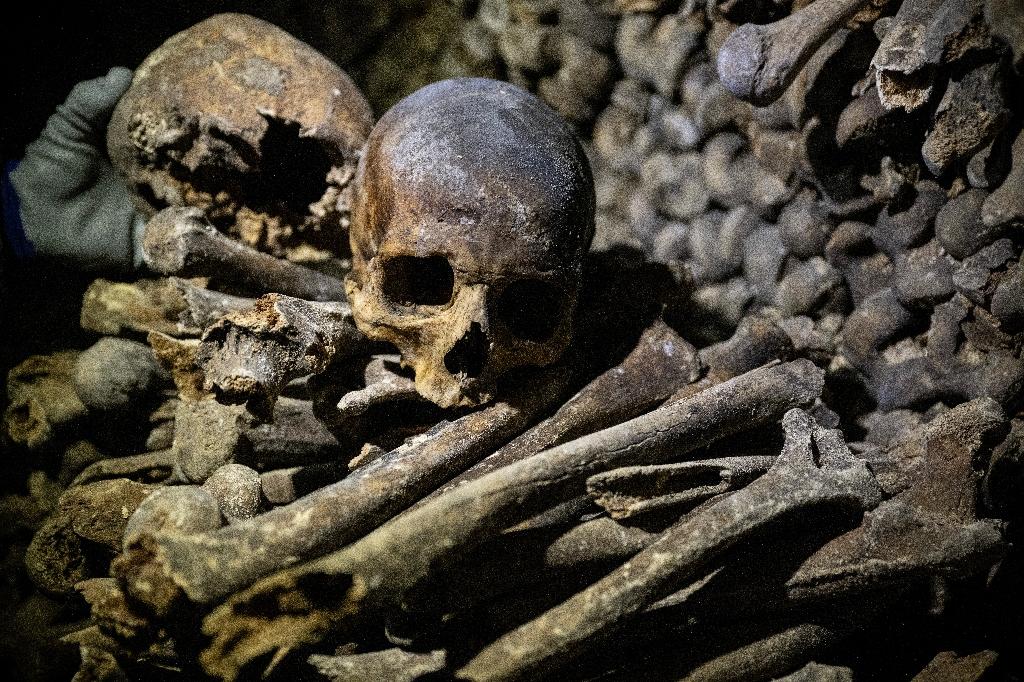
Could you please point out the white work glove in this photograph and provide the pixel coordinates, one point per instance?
(74, 207)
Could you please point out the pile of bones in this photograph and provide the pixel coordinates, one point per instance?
(689, 350)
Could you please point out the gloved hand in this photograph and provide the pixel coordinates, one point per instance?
(74, 207)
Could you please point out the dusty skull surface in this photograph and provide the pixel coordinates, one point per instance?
(472, 210)
(240, 119)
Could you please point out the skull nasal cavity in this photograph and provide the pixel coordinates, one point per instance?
(411, 280)
(469, 354)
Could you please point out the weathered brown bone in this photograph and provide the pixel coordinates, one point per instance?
(384, 564)
(43, 402)
(631, 491)
(208, 567)
(805, 476)
(922, 35)
(473, 209)
(181, 241)
(757, 63)
(249, 355)
(238, 118)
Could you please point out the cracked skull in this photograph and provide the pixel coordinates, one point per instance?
(472, 210)
(238, 118)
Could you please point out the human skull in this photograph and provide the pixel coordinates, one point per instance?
(472, 210)
(238, 118)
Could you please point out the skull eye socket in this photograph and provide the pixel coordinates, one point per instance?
(530, 309)
(413, 280)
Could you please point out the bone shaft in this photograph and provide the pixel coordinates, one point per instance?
(413, 546)
(773, 655)
(661, 363)
(205, 306)
(417, 541)
(179, 242)
(758, 62)
(237, 555)
(677, 557)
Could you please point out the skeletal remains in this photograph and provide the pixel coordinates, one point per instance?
(780, 429)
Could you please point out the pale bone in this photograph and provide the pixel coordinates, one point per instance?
(814, 470)
(370, 575)
(393, 665)
(146, 305)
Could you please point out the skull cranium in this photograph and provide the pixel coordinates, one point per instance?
(473, 208)
(240, 119)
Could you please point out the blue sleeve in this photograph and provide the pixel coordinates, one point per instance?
(13, 230)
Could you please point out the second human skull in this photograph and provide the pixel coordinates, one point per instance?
(473, 210)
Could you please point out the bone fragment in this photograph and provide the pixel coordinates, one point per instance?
(202, 306)
(804, 476)
(384, 564)
(394, 665)
(1006, 203)
(178, 356)
(42, 401)
(757, 63)
(922, 35)
(249, 355)
(180, 241)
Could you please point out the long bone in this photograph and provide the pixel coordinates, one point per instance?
(369, 576)
(660, 369)
(814, 470)
(660, 364)
(180, 241)
(757, 63)
(209, 566)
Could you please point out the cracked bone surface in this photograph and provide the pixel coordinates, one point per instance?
(249, 355)
(473, 207)
(375, 571)
(238, 118)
